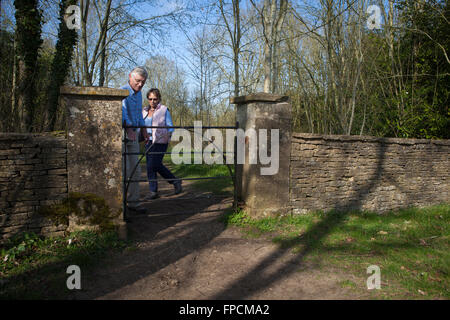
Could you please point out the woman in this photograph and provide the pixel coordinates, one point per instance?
(157, 115)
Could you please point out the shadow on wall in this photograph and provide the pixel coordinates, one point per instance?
(328, 168)
(13, 219)
(33, 174)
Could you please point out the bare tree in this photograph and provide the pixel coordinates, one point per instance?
(234, 32)
(60, 64)
(166, 75)
(107, 29)
(272, 14)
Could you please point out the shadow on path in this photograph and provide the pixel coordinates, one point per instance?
(174, 227)
(257, 279)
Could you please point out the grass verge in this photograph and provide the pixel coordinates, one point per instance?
(411, 246)
(222, 186)
(32, 267)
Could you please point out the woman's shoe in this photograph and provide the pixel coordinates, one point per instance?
(177, 186)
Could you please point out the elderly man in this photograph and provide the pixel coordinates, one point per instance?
(132, 116)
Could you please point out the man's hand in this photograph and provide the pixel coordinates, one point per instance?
(131, 134)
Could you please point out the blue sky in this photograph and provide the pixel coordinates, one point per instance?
(174, 45)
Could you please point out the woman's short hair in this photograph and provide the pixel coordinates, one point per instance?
(155, 92)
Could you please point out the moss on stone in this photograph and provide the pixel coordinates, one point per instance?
(89, 208)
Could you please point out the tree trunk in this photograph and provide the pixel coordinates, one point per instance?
(235, 38)
(28, 36)
(272, 18)
(87, 77)
(61, 63)
(101, 80)
(103, 36)
(14, 105)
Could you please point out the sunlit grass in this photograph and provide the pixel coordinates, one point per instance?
(410, 246)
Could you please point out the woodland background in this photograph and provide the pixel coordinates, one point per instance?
(342, 76)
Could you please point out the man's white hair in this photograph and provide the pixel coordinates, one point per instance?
(140, 71)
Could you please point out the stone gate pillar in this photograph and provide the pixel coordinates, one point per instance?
(94, 143)
(264, 194)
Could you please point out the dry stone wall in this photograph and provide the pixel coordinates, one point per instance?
(33, 173)
(367, 173)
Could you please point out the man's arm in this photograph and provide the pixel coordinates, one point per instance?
(126, 121)
(142, 124)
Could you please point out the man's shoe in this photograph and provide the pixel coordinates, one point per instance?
(137, 210)
(177, 186)
(152, 196)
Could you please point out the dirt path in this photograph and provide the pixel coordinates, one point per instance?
(182, 251)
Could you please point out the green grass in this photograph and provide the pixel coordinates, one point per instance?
(216, 186)
(33, 267)
(348, 284)
(410, 246)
